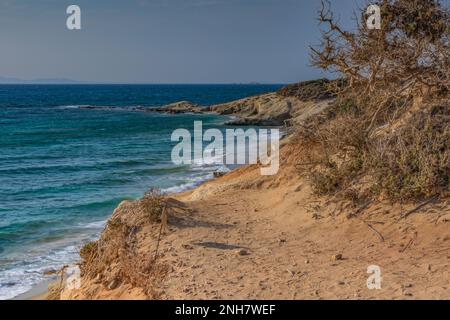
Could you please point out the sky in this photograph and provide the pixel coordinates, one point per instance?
(164, 41)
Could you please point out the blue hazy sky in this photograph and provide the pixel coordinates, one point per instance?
(163, 41)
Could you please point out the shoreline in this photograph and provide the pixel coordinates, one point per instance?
(38, 292)
(271, 110)
(92, 194)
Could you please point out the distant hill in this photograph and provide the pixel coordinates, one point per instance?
(6, 80)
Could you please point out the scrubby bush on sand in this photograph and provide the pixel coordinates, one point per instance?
(387, 135)
(118, 256)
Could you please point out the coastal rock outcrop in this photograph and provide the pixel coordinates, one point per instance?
(180, 107)
(270, 109)
(265, 110)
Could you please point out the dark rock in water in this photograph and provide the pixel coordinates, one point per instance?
(180, 107)
(8, 284)
(49, 272)
(88, 107)
(219, 174)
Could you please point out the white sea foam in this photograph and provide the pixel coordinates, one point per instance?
(94, 225)
(71, 107)
(189, 184)
(21, 277)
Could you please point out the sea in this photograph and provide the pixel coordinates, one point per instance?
(69, 154)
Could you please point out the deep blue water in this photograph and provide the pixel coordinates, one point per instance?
(64, 169)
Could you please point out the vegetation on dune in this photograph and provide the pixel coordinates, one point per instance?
(388, 132)
(308, 90)
(118, 256)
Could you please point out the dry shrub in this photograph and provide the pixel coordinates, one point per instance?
(152, 205)
(88, 250)
(408, 162)
(408, 54)
(415, 161)
(308, 90)
(387, 133)
(119, 256)
(138, 266)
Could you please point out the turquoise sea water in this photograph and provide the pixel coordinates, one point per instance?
(63, 169)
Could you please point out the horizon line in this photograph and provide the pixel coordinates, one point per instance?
(149, 83)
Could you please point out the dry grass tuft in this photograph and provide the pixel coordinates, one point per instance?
(152, 205)
(120, 256)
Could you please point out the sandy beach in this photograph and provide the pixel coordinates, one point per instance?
(243, 236)
(39, 292)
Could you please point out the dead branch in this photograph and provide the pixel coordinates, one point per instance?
(379, 235)
(420, 206)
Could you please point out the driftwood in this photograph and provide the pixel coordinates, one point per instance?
(170, 204)
(162, 228)
(379, 235)
(420, 206)
(407, 246)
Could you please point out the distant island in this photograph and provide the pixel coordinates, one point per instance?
(7, 80)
